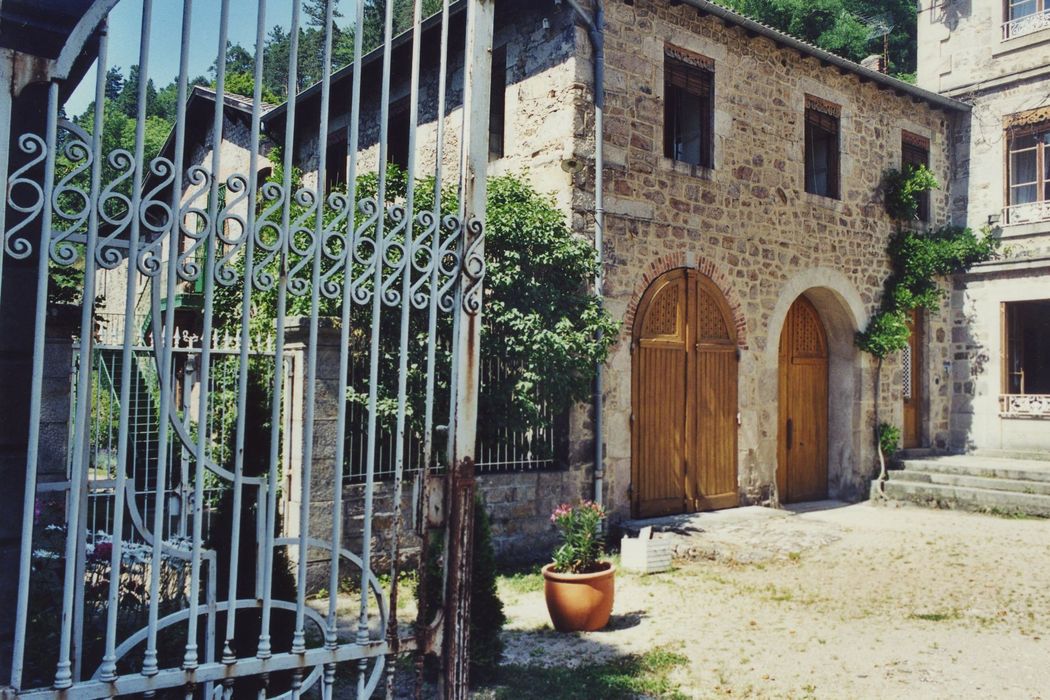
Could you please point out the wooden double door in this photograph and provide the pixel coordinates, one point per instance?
(802, 447)
(684, 405)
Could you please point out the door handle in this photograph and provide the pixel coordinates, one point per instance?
(790, 433)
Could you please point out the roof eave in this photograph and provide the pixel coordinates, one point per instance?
(934, 99)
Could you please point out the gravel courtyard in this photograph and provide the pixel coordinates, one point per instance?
(843, 601)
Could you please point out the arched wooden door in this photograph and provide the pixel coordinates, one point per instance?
(802, 451)
(684, 377)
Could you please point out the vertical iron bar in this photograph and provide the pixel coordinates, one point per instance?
(228, 654)
(406, 307)
(190, 661)
(265, 651)
(168, 341)
(474, 163)
(299, 636)
(62, 679)
(377, 306)
(344, 327)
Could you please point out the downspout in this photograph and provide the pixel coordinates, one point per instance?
(594, 26)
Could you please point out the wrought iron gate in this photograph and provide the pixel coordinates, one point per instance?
(181, 269)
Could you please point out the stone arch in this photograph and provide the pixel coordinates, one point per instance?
(671, 261)
(843, 314)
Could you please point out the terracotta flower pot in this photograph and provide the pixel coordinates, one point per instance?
(579, 602)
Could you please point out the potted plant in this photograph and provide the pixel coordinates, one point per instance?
(579, 586)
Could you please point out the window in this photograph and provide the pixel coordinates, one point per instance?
(335, 164)
(1018, 9)
(397, 133)
(1025, 17)
(822, 147)
(1027, 347)
(498, 103)
(1029, 165)
(689, 108)
(915, 152)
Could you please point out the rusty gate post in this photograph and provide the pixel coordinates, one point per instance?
(460, 487)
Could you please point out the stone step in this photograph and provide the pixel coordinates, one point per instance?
(977, 482)
(966, 498)
(984, 467)
(1026, 455)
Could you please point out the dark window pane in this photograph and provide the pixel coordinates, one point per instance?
(1028, 347)
(688, 115)
(1022, 8)
(498, 103)
(397, 135)
(822, 154)
(335, 165)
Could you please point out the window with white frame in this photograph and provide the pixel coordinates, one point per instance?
(1025, 16)
(1028, 172)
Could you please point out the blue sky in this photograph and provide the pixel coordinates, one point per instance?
(165, 37)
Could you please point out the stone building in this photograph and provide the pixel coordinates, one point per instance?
(996, 57)
(745, 245)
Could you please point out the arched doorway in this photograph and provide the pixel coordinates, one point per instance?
(684, 398)
(802, 450)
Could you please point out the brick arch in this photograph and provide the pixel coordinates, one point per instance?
(672, 261)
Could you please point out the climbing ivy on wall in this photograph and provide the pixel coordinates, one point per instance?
(917, 259)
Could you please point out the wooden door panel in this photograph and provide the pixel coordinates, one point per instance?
(802, 472)
(659, 423)
(714, 472)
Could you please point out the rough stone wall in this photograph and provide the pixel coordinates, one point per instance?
(749, 222)
(962, 51)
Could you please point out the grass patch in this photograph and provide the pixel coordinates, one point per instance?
(936, 616)
(624, 678)
(520, 582)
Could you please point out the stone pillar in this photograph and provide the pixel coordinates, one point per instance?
(62, 323)
(324, 395)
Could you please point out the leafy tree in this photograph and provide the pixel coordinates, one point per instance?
(541, 323)
(843, 27)
(114, 83)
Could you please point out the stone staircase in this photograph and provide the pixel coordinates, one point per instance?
(1004, 483)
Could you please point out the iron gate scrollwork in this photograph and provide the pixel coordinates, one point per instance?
(179, 408)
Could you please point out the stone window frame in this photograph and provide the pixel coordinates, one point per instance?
(808, 86)
(702, 70)
(1032, 122)
(676, 36)
(915, 151)
(825, 116)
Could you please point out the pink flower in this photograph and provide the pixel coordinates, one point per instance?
(103, 551)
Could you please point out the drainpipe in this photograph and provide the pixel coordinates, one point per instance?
(594, 26)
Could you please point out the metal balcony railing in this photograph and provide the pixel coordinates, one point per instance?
(1026, 24)
(1024, 405)
(1030, 213)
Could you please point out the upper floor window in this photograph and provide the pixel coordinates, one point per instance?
(1025, 17)
(689, 107)
(498, 103)
(1028, 166)
(822, 147)
(915, 153)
